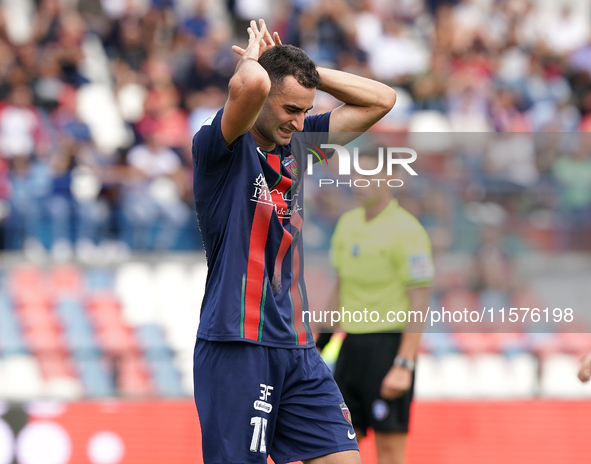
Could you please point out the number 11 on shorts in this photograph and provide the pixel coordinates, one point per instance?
(258, 435)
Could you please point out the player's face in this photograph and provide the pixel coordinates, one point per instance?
(284, 111)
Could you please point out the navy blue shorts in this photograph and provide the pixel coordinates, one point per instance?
(255, 400)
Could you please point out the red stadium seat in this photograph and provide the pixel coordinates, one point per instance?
(32, 298)
(101, 300)
(44, 340)
(37, 315)
(26, 279)
(117, 341)
(105, 311)
(475, 343)
(66, 280)
(55, 366)
(575, 343)
(133, 377)
(107, 317)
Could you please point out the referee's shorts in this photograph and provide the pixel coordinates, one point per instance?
(364, 361)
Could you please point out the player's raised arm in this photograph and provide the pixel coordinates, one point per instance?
(249, 86)
(365, 101)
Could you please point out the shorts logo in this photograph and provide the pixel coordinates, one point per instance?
(346, 413)
(380, 410)
(262, 406)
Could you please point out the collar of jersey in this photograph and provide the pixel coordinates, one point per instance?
(390, 208)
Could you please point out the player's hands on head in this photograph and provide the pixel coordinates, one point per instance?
(259, 40)
(396, 383)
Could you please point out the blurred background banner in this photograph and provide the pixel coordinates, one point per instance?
(102, 269)
(104, 432)
(157, 431)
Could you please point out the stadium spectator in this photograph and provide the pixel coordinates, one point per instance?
(566, 31)
(573, 174)
(476, 66)
(152, 195)
(20, 124)
(30, 181)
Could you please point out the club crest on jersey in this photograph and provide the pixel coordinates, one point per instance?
(346, 413)
(291, 165)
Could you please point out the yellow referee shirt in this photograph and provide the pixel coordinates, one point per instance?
(377, 261)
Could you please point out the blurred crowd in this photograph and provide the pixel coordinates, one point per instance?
(99, 100)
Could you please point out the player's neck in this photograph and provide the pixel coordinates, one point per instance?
(264, 143)
(373, 210)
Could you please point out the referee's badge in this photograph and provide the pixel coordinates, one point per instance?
(380, 410)
(355, 250)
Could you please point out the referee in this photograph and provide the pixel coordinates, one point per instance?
(382, 256)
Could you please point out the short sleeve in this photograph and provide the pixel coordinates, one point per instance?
(414, 258)
(317, 122)
(210, 152)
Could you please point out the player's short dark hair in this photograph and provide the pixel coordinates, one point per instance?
(286, 60)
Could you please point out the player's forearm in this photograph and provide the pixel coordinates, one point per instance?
(358, 91)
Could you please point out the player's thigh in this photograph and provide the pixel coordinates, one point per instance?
(313, 420)
(391, 447)
(237, 392)
(342, 457)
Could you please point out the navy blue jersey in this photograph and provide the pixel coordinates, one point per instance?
(249, 207)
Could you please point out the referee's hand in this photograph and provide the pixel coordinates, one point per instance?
(396, 383)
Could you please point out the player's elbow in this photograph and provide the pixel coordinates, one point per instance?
(387, 100)
(259, 84)
(256, 85)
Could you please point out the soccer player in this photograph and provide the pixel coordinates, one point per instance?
(382, 256)
(260, 385)
(585, 369)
